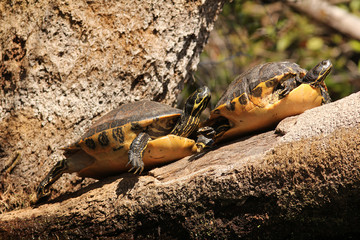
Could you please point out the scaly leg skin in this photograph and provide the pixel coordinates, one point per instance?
(205, 138)
(42, 191)
(325, 95)
(207, 135)
(204, 143)
(288, 86)
(136, 152)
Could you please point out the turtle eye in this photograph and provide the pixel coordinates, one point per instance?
(325, 63)
(324, 66)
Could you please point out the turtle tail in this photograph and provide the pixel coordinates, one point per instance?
(42, 191)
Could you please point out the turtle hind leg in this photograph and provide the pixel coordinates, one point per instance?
(75, 162)
(42, 191)
(136, 152)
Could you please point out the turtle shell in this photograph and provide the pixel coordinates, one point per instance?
(253, 100)
(141, 113)
(108, 141)
(260, 81)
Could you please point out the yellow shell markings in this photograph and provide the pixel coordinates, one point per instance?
(250, 117)
(128, 137)
(265, 94)
(262, 94)
(110, 158)
(111, 155)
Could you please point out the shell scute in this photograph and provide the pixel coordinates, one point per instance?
(102, 127)
(140, 114)
(243, 99)
(118, 134)
(256, 92)
(90, 143)
(103, 139)
(263, 95)
(268, 76)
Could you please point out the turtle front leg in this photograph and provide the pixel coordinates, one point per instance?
(42, 191)
(205, 139)
(287, 86)
(136, 152)
(325, 94)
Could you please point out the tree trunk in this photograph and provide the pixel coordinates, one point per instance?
(64, 63)
(303, 184)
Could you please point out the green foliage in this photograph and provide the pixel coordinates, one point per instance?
(249, 33)
(355, 45)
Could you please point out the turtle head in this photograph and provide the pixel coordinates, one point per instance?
(317, 74)
(190, 118)
(197, 102)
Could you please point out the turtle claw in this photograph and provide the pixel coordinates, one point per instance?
(139, 169)
(136, 169)
(136, 164)
(136, 151)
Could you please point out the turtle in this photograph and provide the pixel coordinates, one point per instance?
(264, 95)
(131, 137)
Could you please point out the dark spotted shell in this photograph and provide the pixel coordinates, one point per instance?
(132, 113)
(248, 80)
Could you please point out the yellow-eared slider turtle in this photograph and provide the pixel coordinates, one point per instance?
(133, 136)
(264, 95)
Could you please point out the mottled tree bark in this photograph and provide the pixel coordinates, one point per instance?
(64, 63)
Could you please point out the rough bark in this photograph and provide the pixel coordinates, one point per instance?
(302, 184)
(64, 63)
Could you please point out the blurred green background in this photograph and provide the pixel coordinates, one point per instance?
(248, 33)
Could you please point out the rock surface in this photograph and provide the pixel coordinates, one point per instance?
(325, 120)
(259, 186)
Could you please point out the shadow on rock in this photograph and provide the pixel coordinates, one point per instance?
(126, 183)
